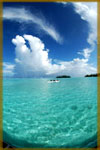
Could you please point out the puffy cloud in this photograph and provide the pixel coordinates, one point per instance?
(22, 15)
(8, 69)
(33, 60)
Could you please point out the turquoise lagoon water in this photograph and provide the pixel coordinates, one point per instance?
(39, 114)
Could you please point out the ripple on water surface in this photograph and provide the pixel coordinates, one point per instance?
(38, 114)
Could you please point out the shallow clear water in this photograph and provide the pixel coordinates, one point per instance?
(41, 114)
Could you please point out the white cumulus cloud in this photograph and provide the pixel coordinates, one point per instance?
(23, 15)
(34, 61)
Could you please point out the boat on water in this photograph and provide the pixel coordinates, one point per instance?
(52, 81)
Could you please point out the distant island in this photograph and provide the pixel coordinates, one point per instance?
(63, 76)
(92, 75)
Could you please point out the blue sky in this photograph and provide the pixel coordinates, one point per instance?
(49, 39)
